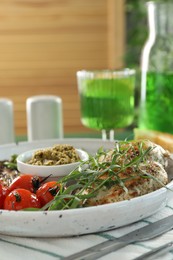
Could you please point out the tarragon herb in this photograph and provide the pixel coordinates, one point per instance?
(12, 163)
(85, 182)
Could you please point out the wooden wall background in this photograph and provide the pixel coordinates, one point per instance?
(44, 42)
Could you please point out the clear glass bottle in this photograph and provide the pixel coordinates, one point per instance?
(156, 106)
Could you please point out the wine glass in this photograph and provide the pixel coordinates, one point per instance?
(106, 99)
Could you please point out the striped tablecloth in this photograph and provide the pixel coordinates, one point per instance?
(17, 248)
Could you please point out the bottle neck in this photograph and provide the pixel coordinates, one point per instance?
(160, 19)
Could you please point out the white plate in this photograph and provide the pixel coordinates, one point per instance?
(44, 171)
(78, 221)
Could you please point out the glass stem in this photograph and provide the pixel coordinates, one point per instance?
(108, 135)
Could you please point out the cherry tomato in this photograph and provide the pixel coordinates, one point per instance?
(1, 196)
(20, 199)
(28, 182)
(3, 193)
(47, 191)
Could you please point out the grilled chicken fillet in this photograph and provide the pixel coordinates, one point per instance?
(145, 175)
(134, 186)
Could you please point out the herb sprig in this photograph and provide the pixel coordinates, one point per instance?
(12, 163)
(100, 171)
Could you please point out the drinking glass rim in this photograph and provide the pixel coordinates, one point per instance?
(104, 73)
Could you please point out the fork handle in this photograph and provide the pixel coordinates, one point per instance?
(156, 252)
(98, 251)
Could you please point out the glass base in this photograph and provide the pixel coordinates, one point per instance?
(108, 135)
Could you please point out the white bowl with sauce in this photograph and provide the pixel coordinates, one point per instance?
(43, 170)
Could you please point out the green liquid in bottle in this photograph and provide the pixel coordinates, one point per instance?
(157, 110)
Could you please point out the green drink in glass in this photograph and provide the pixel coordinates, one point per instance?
(106, 99)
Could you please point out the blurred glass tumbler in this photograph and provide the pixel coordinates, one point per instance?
(106, 99)
(44, 117)
(7, 134)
